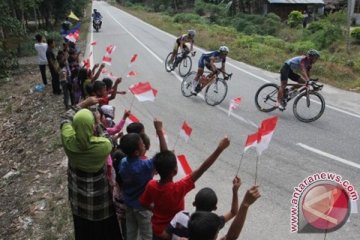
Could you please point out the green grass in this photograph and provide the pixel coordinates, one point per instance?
(336, 67)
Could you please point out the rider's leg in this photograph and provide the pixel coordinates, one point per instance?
(284, 74)
(195, 82)
(174, 53)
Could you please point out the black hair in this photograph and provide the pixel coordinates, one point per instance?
(38, 37)
(165, 163)
(117, 156)
(50, 41)
(108, 82)
(98, 85)
(205, 200)
(146, 140)
(135, 127)
(89, 89)
(129, 143)
(203, 226)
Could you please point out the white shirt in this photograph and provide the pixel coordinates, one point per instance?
(41, 50)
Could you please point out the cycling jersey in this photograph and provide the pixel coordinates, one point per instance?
(184, 38)
(206, 58)
(295, 63)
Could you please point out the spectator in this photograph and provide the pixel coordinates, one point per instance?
(89, 193)
(86, 77)
(135, 127)
(41, 48)
(165, 197)
(134, 174)
(206, 225)
(53, 66)
(205, 200)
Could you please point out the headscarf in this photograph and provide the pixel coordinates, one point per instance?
(85, 151)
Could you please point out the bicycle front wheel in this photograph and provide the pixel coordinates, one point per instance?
(185, 66)
(266, 97)
(216, 92)
(168, 67)
(186, 84)
(309, 108)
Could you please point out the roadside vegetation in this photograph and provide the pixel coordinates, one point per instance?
(263, 41)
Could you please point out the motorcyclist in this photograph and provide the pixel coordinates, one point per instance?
(97, 16)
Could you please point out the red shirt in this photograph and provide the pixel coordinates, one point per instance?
(167, 200)
(104, 101)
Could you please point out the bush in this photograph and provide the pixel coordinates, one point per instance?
(355, 34)
(187, 18)
(274, 17)
(295, 18)
(329, 35)
(301, 47)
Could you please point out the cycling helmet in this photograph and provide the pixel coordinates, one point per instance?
(313, 53)
(223, 49)
(192, 33)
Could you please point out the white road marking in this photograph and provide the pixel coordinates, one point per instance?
(142, 44)
(328, 155)
(232, 65)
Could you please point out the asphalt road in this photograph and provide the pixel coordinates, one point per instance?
(297, 150)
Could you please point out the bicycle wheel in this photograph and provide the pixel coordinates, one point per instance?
(186, 84)
(309, 109)
(185, 66)
(266, 97)
(168, 67)
(216, 92)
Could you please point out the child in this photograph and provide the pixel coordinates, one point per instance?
(206, 225)
(135, 127)
(205, 200)
(165, 197)
(86, 77)
(102, 93)
(134, 174)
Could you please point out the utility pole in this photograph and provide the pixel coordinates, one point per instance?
(349, 8)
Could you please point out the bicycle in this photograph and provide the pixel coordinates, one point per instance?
(215, 87)
(182, 60)
(305, 95)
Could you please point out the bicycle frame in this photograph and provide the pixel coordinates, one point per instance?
(212, 78)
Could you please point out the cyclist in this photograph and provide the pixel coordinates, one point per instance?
(209, 60)
(97, 15)
(301, 64)
(181, 43)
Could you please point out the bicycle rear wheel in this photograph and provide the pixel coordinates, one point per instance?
(266, 97)
(308, 109)
(216, 92)
(185, 66)
(186, 84)
(168, 67)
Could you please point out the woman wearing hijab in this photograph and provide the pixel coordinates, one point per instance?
(89, 192)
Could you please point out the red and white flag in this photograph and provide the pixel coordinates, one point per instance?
(132, 74)
(185, 131)
(234, 104)
(131, 119)
(86, 63)
(133, 59)
(143, 91)
(111, 76)
(77, 35)
(93, 43)
(110, 49)
(183, 166)
(104, 71)
(107, 60)
(266, 131)
(252, 141)
(90, 54)
(71, 37)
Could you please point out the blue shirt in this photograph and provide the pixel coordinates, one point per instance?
(134, 175)
(215, 55)
(295, 62)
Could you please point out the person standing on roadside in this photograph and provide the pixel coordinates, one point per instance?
(53, 66)
(41, 48)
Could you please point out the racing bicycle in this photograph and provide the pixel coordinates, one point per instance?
(215, 87)
(308, 105)
(182, 60)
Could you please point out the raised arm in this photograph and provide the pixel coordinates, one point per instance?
(235, 200)
(114, 89)
(224, 143)
(159, 131)
(96, 76)
(236, 226)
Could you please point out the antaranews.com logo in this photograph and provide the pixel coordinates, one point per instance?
(321, 203)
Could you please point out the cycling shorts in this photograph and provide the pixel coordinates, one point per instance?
(203, 63)
(286, 73)
(177, 45)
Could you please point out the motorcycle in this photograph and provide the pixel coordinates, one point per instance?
(97, 24)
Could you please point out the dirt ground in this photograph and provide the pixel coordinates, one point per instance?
(33, 184)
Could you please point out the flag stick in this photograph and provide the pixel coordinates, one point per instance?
(325, 233)
(256, 168)
(177, 138)
(241, 158)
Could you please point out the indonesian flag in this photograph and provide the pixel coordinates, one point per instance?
(107, 60)
(110, 75)
(77, 35)
(185, 131)
(93, 43)
(104, 71)
(132, 74)
(143, 91)
(183, 166)
(234, 104)
(86, 63)
(252, 141)
(133, 59)
(71, 37)
(131, 119)
(110, 49)
(266, 131)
